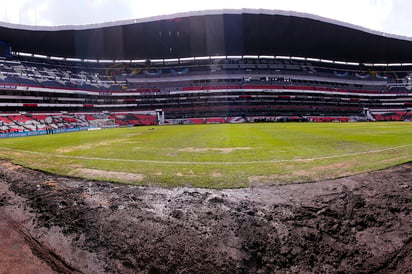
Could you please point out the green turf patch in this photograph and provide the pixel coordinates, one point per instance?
(221, 156)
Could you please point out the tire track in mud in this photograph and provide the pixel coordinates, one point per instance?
(40, 250)
(398, 261)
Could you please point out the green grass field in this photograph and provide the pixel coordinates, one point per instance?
(218, 156)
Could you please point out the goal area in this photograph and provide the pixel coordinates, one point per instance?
(103, 123)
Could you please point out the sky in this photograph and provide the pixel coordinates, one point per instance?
(388, 16)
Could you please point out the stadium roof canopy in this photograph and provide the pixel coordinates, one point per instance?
(212, 33)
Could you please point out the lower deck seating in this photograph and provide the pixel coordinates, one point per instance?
(391, 116)
(10, 123)
(132, 119)
(329, 119)
(26, 123)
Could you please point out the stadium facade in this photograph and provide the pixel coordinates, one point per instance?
(201, 67)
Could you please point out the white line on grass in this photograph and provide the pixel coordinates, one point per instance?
(206, 163)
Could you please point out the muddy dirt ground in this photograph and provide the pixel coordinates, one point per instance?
(358, 224)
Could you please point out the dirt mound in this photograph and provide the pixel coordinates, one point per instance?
(358, 224)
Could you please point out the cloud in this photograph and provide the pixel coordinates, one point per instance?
(65, 12)
(399, 21)
(91, 11)
(382, 15)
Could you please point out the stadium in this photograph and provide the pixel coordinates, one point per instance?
(202, 68)
(344, 91)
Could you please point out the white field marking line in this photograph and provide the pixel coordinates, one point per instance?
(205, 163)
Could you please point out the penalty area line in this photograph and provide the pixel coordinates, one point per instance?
(205, 163)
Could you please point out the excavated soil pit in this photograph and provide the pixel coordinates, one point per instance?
(358, 224)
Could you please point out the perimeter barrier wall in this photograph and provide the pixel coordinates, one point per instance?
(42, 132)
